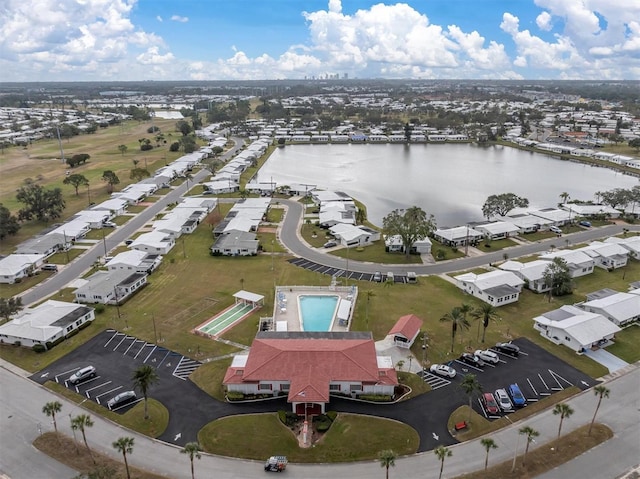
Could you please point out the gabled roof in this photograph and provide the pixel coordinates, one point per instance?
(620, 306)
(408, 326)
(585, 327)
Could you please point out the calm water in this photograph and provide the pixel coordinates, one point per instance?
(317, 311)
(450, 181)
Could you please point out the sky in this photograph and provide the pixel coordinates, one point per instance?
(134, 40)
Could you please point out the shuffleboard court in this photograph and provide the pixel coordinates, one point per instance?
(226, 319)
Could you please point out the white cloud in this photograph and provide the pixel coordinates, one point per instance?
(159, 18)
(544, 21)
(178, 18)
(153, 57)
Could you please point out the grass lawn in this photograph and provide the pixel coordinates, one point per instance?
(376, 253)
(626, 344)
(415, 382)
(209, 376)
(548, 456)
(65, 257)
(350, 438)
(75, 455)
(496, 245)
(443, 252)
(275, 214)
(9, 290)
(321, 235)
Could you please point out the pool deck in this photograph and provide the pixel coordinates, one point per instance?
(291, 313)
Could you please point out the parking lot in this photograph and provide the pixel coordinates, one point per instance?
(537, 373)
(340, 273)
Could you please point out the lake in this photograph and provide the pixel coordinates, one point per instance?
(450, 181)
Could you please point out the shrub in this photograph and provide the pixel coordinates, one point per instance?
(234, 396)
(146, 147)
(17, 343)
(332, 415)
(282, 415)
(38, 348)
(72, 333)
(99, 308)
(440, 254)
(375, 397)
(175, 146)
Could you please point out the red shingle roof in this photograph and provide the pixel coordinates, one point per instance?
(408, 326)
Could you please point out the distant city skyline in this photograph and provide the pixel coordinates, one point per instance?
(134, 40)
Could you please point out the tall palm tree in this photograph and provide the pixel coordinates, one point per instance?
(82, 422)
(125, 446)
(564, 196)
(387, 458)
(488, 444)
(531, 434)
(457, 321)
(465, 309)
(143, 378)
(563, 410)
(442, 453)
(470, 385)
(485, 312)
(602, 392)
(192, 449)
(53, 407)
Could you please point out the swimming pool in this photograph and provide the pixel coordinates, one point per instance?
(317, 311)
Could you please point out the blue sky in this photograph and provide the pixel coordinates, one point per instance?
(271, 39)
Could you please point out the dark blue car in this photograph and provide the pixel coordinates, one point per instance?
(517, 398)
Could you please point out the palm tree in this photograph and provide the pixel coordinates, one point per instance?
(465, 309)
(125, 446)
(485, 312)
(53, 407)
(531, 433)
(442, 453)
(192, 449)
(564, 196)
(563, 410)
(488, 444)
(601, 391)
(471, 386)
(82, 422)
(387, 458)
(368, 294)
(457, 321)
(143, 378)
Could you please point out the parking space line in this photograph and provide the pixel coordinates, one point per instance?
(468, 366)
(96, 387)
(165, 357)
(149, 355)
(121, 341)
(543, 382)
(556, 376)
(130, 346)
(531, 386)
(97, 398)
(128, 404)
(111, 338)
(66, 372)
(142, 349)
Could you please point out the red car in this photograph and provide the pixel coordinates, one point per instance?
(490, 404)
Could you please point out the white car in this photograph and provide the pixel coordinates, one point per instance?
(443, 370)
(503, 400)
(82, 374)
(487, 356)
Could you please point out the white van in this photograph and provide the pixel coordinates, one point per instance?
(391, 277)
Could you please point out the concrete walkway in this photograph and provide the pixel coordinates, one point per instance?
(608, 360)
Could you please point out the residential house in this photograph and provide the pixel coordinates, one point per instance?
(115, 206)
(46, 245)
(236, 243)
(155, 242)
(405, 331)
(497, 230)
(575, 328)
(556, 216)
(135, 260)
(631, 244)
(528, 223)
(110, 287)
(394, 244)
(46, 324)
(619, 308)
(458, 236)
(579, 263)
(15, 267)
(351, 235)
(494, 287)
(607, 256)
(94, 218)
(531, 273)
(73, 230)
(588, 210)
(310, 366)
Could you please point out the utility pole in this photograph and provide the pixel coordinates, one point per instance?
(424, 351)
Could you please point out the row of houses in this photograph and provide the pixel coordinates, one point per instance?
(236, 235)
(503, 286)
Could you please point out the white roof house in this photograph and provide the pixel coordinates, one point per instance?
(46, 244)
(110, 287)
(631, 244)
(45, 323)
(135, 260)
(73, 229)
(351, 235)
(528, 223)
(575, 328)
(458, 236)
(17, 266)
(198, 202)
(495, 287)
(579, 263)
(607, 255)
(394, 243)
(590, 210)
(532, 273)
(498, 229)
(619, 308)
(116, 206)
(557, 216)
(95, 218)
(155, 242)
(236, 243)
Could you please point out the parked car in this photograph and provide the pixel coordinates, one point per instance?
(82, 374)
(49, 267)
(391, 277)
(555, 229)
(472, 359)
(503, 400)
(377, 277)
(121, 399)
(508, 348)
(128, 241)
(586, 224)
(276, 464)
(489, 403)
(109, 224)
(487, 356)
(443, 370)
(330, 244)
(517, 398)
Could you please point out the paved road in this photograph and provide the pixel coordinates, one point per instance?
(21, 411)
(88, 258)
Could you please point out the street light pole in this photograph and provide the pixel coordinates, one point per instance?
(424, 351)
(272, 249)
(515, 454)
